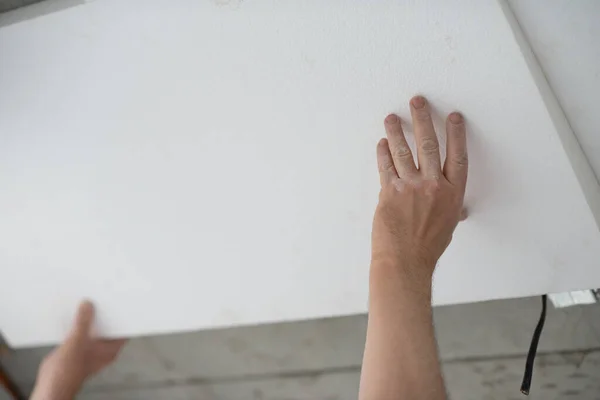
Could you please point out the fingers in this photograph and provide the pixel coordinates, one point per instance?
(464, 214)
(84, 319)
(456, 165)
(398, 147)
(428, 148)
(387, 171)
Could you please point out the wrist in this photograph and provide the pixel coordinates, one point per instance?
(53, 390)
(56, 384)
(401, 277)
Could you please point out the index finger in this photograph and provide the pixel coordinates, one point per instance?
(385, 164)
(401, 154)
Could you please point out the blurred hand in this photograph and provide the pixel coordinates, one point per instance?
(64, 370)
(418, 207)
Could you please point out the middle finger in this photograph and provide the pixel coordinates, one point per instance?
(428, 148)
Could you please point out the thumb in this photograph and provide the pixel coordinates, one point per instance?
(83, 320)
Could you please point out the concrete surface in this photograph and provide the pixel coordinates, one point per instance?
(7, 5)
(482, 345)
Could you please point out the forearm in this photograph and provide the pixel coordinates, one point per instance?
(400, 360)
(51, 388)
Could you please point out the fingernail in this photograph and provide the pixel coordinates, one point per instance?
(418, 102)
(456, 118)
(391, 119)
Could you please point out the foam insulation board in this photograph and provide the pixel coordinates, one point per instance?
(193, 164)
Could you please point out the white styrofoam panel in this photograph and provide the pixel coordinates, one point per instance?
(195, 164)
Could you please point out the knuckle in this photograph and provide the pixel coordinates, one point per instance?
(462, 160)
(400, 186)
(401, 152)
(457, 129)
(385, 166)
(384, 163)
(429, 145)
(433, 186)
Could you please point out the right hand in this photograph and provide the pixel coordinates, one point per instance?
(418, 207)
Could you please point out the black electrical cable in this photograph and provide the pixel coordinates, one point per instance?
(525, 386)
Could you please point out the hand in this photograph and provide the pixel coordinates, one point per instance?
(64, 370)
(418, 207)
